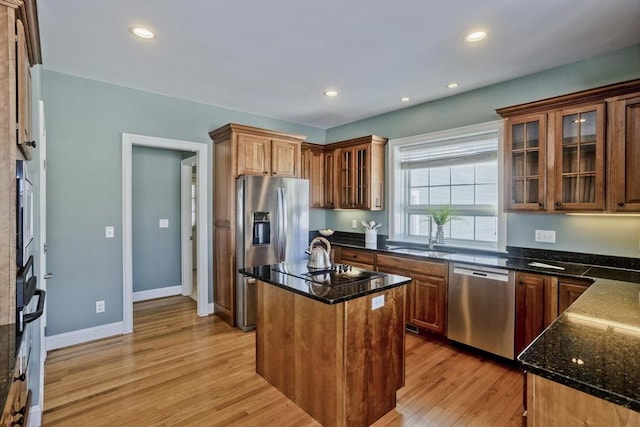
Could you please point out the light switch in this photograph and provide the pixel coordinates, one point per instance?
(377, 302)
(109, 231)
(164, 223)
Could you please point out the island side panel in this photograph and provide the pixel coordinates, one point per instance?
(375, 345)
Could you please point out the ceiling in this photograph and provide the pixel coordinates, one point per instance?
(275, 58)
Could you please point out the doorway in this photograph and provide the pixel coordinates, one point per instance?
(189, 225)
(202, 279)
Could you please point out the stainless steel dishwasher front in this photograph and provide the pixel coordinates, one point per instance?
(481, 308)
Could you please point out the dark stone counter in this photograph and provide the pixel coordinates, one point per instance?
(295, 277)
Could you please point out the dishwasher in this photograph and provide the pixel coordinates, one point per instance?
(481, 308)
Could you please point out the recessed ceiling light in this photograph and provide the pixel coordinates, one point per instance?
(476, 36)
(452, 85)
(405, 99)
(331, 93)
(143, 33)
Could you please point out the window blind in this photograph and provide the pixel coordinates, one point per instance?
(450, 152)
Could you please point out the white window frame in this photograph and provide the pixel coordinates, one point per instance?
(397, 229)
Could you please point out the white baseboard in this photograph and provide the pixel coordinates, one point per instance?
(35, 416)
(83, 335)
(169, 291)
(210, 308)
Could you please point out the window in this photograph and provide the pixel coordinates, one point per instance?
(457, 168)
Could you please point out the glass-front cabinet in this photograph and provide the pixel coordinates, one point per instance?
(579, 158)
(354, 177)
(526, 163)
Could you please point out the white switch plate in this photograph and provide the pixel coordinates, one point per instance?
(354, 223)
(109, 231)
(546, 236)
(164, 223)
(100, 306)
(377, 302)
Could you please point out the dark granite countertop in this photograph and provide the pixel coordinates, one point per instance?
(294, 277)
(594, 346)
(8, 350)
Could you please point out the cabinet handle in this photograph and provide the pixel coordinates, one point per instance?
(21, 411)
(620, 204)
(266, 173)
(18, 423)
(22, 377)
(558, 204)
(541, 204)
(30, 143)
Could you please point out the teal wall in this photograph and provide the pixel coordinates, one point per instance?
(155, 186)
(85, 122)
(478, 106)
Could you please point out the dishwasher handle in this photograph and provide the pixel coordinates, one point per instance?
(482, 273)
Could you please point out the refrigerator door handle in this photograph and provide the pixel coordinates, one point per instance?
(282, 224)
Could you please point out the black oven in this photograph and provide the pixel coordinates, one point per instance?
(24, 213)
(27, 310)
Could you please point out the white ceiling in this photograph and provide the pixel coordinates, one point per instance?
(276, 57)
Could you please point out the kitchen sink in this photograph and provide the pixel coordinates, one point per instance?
(417, 251)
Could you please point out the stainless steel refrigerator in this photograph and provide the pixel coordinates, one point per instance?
(272, 227)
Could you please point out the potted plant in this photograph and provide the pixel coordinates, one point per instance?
(441, 216)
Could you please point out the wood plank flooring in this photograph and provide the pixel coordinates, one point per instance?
(180, 369)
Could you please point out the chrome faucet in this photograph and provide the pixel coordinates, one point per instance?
(430, 232)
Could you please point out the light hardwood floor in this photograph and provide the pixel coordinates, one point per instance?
(180, 369)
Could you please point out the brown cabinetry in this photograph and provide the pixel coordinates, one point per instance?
(23, 76)
(240, 150)
(358, 258)
(557, 150)
(536, 307)
(361, 173)
(624, 154)
(569, 290)
(313, 169)
(427, 296)
(18, 401)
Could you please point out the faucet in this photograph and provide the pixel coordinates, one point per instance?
(430, 232)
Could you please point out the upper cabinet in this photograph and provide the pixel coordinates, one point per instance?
(268, 155)
(624, 154)
(361, 173)
(575, 153)
(23, 77)
(313, 169)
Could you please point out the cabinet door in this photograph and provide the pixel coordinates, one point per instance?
(361, 179)
(24, 94)
(624, 188)
(568, 293)
(254, 155)
(285, 158)
(428, 303)
(224, 272)
(579, 159)
(525, 156)
(330, 182)
(346, 184)
(315, 159)
(530, 309)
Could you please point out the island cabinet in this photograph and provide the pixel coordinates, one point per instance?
(427, 296)
(313, 169)
(557, 151)
(342, 363)
(569, 290)
(624, 154)
(241, 150)
(536, 306)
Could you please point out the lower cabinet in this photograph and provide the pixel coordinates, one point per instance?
(427, 297)
(357, 258)
(569, 290)
(536, 306)
(17, 403)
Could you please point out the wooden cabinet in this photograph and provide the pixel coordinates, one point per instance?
(18, 401)
(525, 171)
(624, 154)
(266, 155)
(313, 169)
(358, 258)
(569, 290)
(361, 173)
(23, 76)
(536, 306)
(427, 296)
(240, 150)
(330, 182)
(557, 151)
(579, 158)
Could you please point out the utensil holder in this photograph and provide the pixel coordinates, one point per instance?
(371, 239)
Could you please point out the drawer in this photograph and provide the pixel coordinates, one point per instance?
(348, 255)
(431, 268)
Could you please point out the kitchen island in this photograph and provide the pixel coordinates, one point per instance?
(333, 343)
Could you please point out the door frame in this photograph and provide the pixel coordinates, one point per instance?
(186, 253)
(202, 154)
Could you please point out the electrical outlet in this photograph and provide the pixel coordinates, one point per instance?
(377, 302)
(100, 306)
(109, 231)
(354, 223)
(545, 236)
(163, 223)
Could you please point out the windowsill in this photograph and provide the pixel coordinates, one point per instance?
(450, 246)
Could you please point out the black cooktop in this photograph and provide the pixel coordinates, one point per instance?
(337, 275)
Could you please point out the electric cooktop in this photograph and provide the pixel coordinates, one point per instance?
(337, 275)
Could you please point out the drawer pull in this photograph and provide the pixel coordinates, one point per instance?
(21, 411)
(22, 377)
